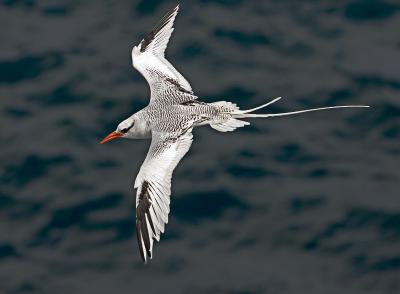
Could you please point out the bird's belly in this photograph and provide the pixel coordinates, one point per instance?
(179, 117)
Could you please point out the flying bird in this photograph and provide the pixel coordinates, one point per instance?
(174, 110)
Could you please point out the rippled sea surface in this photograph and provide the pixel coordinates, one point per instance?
(301, 204)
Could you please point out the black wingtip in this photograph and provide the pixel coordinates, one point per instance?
(143, 239)
(163, 22)
(139, 240)
(143, 217)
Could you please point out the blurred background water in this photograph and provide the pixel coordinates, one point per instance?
(305, 204)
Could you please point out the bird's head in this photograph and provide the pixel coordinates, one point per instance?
(131, 128)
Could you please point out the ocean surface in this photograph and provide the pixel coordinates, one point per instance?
(301, 204)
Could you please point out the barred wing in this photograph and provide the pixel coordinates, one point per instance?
(167, 85)
(153, 185)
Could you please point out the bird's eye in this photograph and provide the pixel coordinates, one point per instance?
(125, 130)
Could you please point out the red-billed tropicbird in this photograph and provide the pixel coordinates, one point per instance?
(168, 120)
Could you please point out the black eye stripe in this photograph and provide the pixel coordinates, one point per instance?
(126, 129)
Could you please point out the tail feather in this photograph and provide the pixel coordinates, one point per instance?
(261, 106)
(231, 114)
(228, 125)
(248, 113)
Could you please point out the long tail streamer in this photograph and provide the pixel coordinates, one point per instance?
(248, 113)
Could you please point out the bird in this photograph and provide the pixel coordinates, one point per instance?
(169, 118)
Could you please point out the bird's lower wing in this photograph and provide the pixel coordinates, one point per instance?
(153, 185)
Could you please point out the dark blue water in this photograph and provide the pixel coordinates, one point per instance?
(305, 204)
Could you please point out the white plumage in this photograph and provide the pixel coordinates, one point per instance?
(169, 119)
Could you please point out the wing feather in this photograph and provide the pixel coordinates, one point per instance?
(153, 185)
(157, 40)
(167, 85)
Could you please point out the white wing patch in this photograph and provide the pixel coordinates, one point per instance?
(148, 57)
(153, 185)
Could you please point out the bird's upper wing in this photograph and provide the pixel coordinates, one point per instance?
(167, 85)
(153, 185)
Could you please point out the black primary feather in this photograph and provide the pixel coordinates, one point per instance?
(142, 210)
(163, 22)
